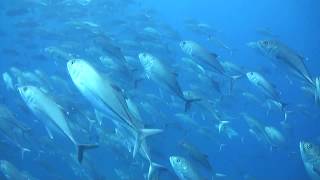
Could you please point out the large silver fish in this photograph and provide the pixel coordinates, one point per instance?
(107, 98)
(11, 172)
(184, 168)
(202, 55)
(310, 154)
(159, 73)
(281, 52)
(51, 114)
(265, 86)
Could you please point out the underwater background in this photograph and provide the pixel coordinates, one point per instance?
(215, 135)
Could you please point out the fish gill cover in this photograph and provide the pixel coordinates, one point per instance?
(159, 90)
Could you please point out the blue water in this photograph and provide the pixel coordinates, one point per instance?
(29, 27)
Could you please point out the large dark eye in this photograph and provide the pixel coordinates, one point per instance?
(25, 88)
(178, 160)
(183, 43)
(72, 62)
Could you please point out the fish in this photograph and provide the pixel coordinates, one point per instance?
(276, 137)
(107, 98)
(11, 172)
(221, 44)
(51, 114)
(184, 169)
(257, 128)
(208, 60)
(310, 154)
(265, 86)
(7, 79)
(199, 53)
(14, 130)
(285, 55)
(159, 73)
(196, 154)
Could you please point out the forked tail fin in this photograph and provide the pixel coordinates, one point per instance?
(188, 103)
(23, 150)
(82, 148)
(142, 134)
(233, 79)
(153, 168)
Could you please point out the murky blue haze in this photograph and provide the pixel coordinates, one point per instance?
(150, 59)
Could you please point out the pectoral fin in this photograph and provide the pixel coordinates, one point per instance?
(49, 132)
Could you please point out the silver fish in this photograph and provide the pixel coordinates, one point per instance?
(51, 115)
(159, 73)
(310, 154)
(107, 98)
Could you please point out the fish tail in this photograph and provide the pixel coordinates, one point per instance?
(142, 134)
(188, 103)
(23, 150)
(233, 79)
(284, 109)
(82, 148)
(153, 168)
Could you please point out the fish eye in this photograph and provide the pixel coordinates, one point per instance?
(25, 88)
(183, 42)
(178, 160)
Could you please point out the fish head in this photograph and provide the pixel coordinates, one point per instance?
(146, 60)
(309, 150)
(266, 47)
(179, 164)
(77, 67)
(265, 44)
(187, 46)
(27, 92)
(252, 76)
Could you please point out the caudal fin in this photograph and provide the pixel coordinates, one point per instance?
(233, 79)
(153, 169)
(142, 134)
(23, 150)
(188, 103)
(82, 148)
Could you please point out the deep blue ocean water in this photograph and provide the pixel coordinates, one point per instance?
(89, 30)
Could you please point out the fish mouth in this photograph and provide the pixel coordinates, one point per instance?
(142, 56)
(22, 89)
(70, 63)
(172, 159)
